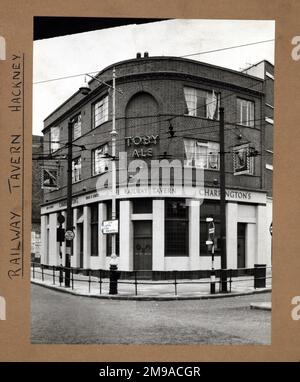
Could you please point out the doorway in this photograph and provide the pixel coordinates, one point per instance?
(142, 243)
(241, 245)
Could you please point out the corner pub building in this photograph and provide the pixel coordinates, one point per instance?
(166, 108)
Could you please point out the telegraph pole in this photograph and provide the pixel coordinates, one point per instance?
(222, 203)
(113, 154)
(69, 223)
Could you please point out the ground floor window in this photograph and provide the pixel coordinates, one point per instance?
(94, 230)
(176, 228)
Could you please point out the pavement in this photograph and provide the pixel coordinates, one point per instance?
(163, 290)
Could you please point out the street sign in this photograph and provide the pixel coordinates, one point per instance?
(60, 235)
(60, 219)
(110, 226)
(69, 235)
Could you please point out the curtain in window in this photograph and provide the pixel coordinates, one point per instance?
(201, 155)
(189, 147)
(213, 155)
(191, 100)
(100, 161)
(211, 104)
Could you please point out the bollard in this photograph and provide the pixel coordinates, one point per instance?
(135, 282)
(212, 282)
(113, 279)
(259, 276)
(61, 275)
(100, 280)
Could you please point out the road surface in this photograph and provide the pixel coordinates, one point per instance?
(62, 318)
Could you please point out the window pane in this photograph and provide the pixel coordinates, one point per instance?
(176, 209)
(101, 112)
(54, 138)
(100, 161)
(201, 155)
(245, 112)
(142, 206)
(77, 127)
(76, 170)
(176, 240)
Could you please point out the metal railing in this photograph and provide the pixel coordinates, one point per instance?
(139, 280)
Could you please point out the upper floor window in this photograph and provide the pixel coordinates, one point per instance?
(76, 127)
(204, 155)
(100, 159)
(202, 103)
(76, 170)
(245, 112)
(100, 112)
(54, 138)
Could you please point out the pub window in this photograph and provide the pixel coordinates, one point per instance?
(94, 230)
(100, 112)
(202, 103)
(245, 112)
(76, 170)
(100, 159)
(176, 228)
(54, 138)
(142, 206)
(204, 155)
(76, 131)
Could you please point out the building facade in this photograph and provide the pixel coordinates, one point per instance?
(168, 165)
(37, 198)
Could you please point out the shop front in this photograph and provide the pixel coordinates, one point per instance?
(164, 233)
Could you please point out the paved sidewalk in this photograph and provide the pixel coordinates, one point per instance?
(149, 289)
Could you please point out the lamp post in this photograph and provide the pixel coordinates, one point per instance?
(210, 241)
(222, 203)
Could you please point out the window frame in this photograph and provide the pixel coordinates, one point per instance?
(94, 223)
(208, 92)
(73, 125)
(251, 121)
(93, 152)
(101, 99)
(52, 150)
(179, 220)
(210, 153)
(73, 172)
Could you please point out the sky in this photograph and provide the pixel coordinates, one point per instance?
(93, 51)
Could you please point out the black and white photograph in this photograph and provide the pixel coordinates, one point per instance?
(152, 172)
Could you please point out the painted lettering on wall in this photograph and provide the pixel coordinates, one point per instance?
(145, 140)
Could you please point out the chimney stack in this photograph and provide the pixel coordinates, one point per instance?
(138, 55)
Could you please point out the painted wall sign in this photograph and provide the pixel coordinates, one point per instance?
(145, 140)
